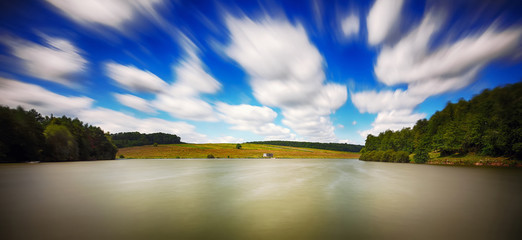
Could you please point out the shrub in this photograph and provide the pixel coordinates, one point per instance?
(210, 156)
(401, 157)
(121, 156)
(387, 156)
(421, 156)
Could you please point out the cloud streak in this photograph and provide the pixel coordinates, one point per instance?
(428, 72)
(258, 120)
(286, 71)
(383, 19)
(181, 98)
(112, 13)
(134, 79)
(14, 93)
(56, 61)
(350, 25)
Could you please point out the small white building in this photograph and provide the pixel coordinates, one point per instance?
(268, 155)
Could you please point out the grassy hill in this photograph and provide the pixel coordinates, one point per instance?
(226, 150)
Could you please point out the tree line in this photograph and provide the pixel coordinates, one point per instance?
(28, 136)
(316, 145)
(489, 124)
(131, 139)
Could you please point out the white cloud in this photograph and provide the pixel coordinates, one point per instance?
(410, 61)
(58, 61)
(354, 123)
(258, 120)
(114, 121)
(345, 141)
(428, 72)
(392, 120)
(226, 139)
(15, 93)
(383, 19)
(182, 99)
(350, 25)
(112, 13)
(134, 102)
(374, 102)
(191, 108)
(134, 79)
(286, 71)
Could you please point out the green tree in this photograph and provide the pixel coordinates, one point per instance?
(21, 135)
(238, 146)
(61, 144)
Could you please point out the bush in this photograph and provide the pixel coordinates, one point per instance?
(121, 156)
(238, 146)
(210, 156)
(401, 157)
(421, 156)
(517, 150)
(155, 144)
(387, 156)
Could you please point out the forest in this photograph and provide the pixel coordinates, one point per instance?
(131, 139)
(326, 146)
(490, 124)
(27, 136)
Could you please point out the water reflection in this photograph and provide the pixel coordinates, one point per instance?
(264, 199)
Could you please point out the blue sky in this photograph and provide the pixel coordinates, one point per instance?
(227, 71)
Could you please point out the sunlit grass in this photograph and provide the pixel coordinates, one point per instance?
(226, 150)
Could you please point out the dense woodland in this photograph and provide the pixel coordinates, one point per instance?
(489, 124)
(131, 139)
(27, 136)
(326, 146)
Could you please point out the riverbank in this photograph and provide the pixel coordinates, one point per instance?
(473, 160)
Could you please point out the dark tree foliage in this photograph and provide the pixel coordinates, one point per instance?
(386, 156)
(327, 146)
(93, 143)
(27, 136)
(60, 143)
(130, 139)
(238, 146)
(488, 124)
(21, 135)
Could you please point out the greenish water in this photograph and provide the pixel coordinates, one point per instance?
(257, 199)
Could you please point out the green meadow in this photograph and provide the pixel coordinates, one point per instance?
(227, 150)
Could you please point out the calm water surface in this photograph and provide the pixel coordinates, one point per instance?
(257, 199)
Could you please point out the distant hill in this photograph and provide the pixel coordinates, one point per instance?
(131, 139)
(326, 146)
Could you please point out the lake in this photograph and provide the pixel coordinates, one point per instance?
(257, 199)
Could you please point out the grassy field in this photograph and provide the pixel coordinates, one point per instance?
(225, 150)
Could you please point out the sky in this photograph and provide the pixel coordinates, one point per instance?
(237, 71)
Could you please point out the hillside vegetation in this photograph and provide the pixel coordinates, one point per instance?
(327, 146)
(490, 124)
(130, 139)
(223, 150)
